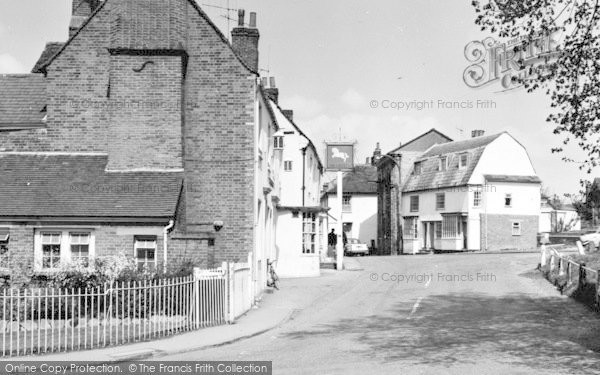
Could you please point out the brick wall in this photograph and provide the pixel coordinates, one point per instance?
(145, 112)
(219, 142)
(499, 232)
(213, 137)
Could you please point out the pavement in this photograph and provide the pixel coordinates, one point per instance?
(273, 309)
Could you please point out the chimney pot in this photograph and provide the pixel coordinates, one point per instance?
(241, 16)
(244, 41)
(253, 20)
(272, 82)
(477, 133)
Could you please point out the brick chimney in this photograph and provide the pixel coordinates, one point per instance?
(244, 40)
(477, 133)
(376, 155)
(81, 11)
(289, 114)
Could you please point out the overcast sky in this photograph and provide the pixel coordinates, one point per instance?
(333, 59)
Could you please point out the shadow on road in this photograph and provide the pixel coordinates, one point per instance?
(461, 328)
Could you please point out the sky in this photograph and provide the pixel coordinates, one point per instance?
(340, 64)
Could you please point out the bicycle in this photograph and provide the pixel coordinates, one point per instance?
(273, 279)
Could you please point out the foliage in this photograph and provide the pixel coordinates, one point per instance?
(572, 78)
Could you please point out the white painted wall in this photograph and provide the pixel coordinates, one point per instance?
(291, 261)
(504, 156)
(363, 216)
(456, 201)
(525, 198)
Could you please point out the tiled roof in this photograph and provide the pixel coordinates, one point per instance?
(51, 49)
(279, 117)
(44, 185)
(431, 178)
(362, 181)
(423, 142)
(459, 146)
(22, 100)
(509, 178)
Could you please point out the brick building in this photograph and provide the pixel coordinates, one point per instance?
(459, 195)
(146, 129)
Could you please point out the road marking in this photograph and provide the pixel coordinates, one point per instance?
(415, 307)
(428, 282)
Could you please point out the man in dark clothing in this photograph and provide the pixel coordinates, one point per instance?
(332, 238)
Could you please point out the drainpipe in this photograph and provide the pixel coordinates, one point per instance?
(303, 175)
(165, 233)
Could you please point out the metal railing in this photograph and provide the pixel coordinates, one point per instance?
(46, 320)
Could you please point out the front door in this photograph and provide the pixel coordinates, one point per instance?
(432, 236)
(464, 232)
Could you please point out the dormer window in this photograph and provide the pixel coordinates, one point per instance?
(463, 160)
(443, 164)
(418, 168)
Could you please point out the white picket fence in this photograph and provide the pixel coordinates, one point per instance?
(46, 320)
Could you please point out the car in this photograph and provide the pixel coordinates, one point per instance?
(355, 247)
(591, 240)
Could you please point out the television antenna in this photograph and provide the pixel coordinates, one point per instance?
(227, 15)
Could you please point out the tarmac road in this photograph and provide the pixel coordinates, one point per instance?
(432, 314)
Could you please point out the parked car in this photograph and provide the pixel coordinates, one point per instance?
(591, 240)
(355, 247)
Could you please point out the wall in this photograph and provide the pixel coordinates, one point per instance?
(456, 201)
(504, 156)
(109, 241)
(291, 261)
(497, 232)
(363, 216)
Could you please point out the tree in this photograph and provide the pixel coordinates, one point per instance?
(571, 76)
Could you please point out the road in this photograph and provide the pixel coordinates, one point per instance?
(432, 314)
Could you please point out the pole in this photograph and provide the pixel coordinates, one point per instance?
(340, 224)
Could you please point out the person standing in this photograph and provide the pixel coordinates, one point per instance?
(332, 243)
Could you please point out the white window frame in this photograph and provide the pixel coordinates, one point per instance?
(4, 258)
(278, 142)
(460, 160)
(65, 246)
(508, 197)
(516, 228)
(73, 234)
(346, 202)
(142, 242)
(440, 204)
(411, 227)
(451, 226)
(418, 168)
(309, 233)
(443, 164)
(287, 165)
(414, 198)
(477, 198)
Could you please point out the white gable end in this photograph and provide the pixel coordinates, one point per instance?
(504, 156)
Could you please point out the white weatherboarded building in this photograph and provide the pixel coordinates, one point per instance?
(478, 194)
